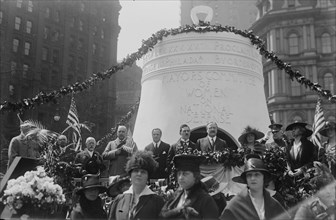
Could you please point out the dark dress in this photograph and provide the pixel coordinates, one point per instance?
(148, 206)
(87, 209)
(160, 154)
(198, 199)
(241, 207)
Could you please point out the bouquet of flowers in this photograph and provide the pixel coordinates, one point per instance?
(33, 194)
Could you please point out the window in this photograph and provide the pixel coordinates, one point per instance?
(30, 6)
(45, 32)
(55, 57)
(13, 68)
(16, 43)
(328, 80)
(80, 25)
(17, 23)
(102, 34)
(82, 7)
(296, 88)
(19, 3)
(11, 90)
(57, 16)
(45, 52)
(29, 26)
(47, 13)
(293, 44)
(1, 16)
(326, 43)
(95, 29)
(27, 48)
(80, 44)
(25, 70)
(102, 52)
(55, 36)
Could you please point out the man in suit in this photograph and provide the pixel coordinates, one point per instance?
(182, 145)
(118, 151)
(160, 152)
(91, 160)
(211, 143)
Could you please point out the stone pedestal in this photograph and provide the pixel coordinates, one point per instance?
(196, 78)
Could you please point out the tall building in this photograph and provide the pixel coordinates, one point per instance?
(53, 43)
(302, 33)
(240, 14)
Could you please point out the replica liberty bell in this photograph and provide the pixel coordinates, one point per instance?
(195, 78)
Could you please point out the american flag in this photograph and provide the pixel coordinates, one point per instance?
(73, 121)
(319, 122)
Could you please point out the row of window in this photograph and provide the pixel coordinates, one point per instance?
(275, 84)
(29, 5)
(18, 25)
(15, 69)
(295, 42)
(16, 45)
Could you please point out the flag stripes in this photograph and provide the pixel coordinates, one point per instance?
(319, 122)
(73, 121)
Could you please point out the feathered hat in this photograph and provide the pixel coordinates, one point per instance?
(250, 130)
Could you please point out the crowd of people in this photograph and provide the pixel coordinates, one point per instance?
(133, 173)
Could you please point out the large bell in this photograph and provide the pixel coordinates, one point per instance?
(196, 78)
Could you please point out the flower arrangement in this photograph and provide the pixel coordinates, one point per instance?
(33, 194)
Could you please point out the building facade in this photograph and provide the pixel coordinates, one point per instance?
(53, 43)
(302, 33)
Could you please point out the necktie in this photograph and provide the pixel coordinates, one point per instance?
(212, 143)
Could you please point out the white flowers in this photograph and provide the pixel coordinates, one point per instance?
(34, 189)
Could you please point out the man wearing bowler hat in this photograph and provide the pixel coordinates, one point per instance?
(301, 152)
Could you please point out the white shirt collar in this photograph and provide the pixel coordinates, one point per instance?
(158, 143)
(214, 138)
(145, 191)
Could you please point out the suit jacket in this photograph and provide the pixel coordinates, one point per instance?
(241, 207)
(176, 148)
(204, 145)
(84, 157)
(198, 199)
(148, 206)
(118, 162)
(160, 154)
(307, 154)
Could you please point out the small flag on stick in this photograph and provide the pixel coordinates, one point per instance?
(73, 121)
(319, 122)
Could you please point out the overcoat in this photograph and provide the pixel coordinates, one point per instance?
(241, 207)
(160, 155)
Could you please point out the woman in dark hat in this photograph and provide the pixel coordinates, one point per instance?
(327, 154)
(301, 152)
(248, 140)
(254, 202)
(138, 202)
(119, 185)
(191, 200)
(90, 206)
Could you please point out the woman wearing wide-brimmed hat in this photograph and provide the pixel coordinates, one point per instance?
(90, 206)
(327, 154)
(254, 202)
(248, 140)
(191, 201)
(301, 152)
(139, 201)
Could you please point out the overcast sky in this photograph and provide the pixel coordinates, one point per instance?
(139, 19)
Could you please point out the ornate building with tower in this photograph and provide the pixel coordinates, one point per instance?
(301, 33)
(53, 43)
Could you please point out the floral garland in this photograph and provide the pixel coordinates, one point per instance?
(147, 45)
(292, 190)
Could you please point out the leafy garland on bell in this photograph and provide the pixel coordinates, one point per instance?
(147, 45)
(292, 190)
